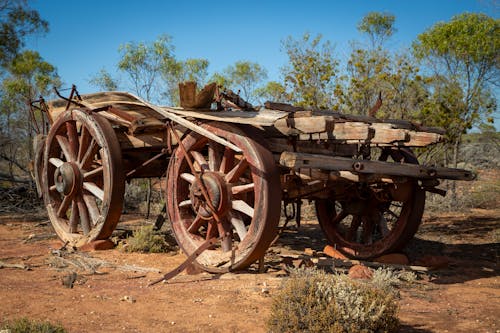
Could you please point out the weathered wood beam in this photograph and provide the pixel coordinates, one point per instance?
(301, 160)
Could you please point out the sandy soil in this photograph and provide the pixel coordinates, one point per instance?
(462, 297)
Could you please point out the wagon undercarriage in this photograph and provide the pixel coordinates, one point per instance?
(227, 173)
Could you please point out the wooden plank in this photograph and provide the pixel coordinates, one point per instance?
(303, 125)
(351, 131)
(301, 160)
(422, 139)
(386, 133)
(281, 106)
(262, 118)
(279, 145)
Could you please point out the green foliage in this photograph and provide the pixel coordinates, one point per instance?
(146, 239)
(314, 301)
(25, 325)
(273, 91)
(143, 63)
(311, 71)
(244, 76)
(463, 55)
(378, 26)
(17, 22)
(104, 81)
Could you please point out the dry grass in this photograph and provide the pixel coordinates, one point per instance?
(25, 325)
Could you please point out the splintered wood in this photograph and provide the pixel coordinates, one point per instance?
(356, 129)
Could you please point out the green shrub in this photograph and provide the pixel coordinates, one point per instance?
(25, 325)
(314, 301)
(146, 239)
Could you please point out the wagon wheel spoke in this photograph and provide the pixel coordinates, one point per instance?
(89, 154)
(73, 220)
(368, 228)
(197, 223)
(214, 156)
(235, 173)
(353, 228)
(84, 215)
(339, 217)
(383, 225)
(227, 160)
(72, 138)
(65, 147)
(94, 189)
(200, 160)
(93, 173)
(55, 161)
(243, 207)
(63, 207)
(241, 189)
(238, 224)
(188, 177)
(225, 231)
(84, 143)
(92, 206)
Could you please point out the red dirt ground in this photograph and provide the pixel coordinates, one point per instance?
(463, 297)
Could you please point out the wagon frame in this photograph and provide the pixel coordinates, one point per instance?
(227, 173)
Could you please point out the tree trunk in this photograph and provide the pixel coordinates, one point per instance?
(456, 146)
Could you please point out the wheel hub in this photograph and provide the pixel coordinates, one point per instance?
(67, 179)
(217, 192)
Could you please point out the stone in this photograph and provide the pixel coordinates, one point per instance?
(360, 272)
(433, 262)
(332, 252)
(97, 245)
(310, 252)
(393, 258)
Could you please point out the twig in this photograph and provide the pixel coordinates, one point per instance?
(20, 266)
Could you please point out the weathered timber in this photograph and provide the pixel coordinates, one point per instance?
(386, 133)
(279, 145)
(422, 139)
(262, 118)
(301, 160)
(282, 106)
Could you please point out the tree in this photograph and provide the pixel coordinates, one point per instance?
(310, 72)
(273, 91)
(378, 26)
(374, 71)
(245, 76)
(462, 56)
(28, 77)
(17, 22)
(174, 71)
(143, 63)
(104, 81)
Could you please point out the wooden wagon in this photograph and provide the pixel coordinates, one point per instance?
(228, 172)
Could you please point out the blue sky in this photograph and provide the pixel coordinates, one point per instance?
(85, 35)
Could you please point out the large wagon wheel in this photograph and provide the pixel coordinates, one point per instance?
(368, 220)
(243, 188)
(83, 178)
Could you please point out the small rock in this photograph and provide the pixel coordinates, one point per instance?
(393, 258)
(332, 252)
(433, 262)
(360, 272)
(265, 291)
(97, 245)
(129, 299)
(69, 280)
(310, 252)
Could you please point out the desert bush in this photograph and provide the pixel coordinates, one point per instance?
(25, 325)
(314, 301)
(388, 279)
(146, 239)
